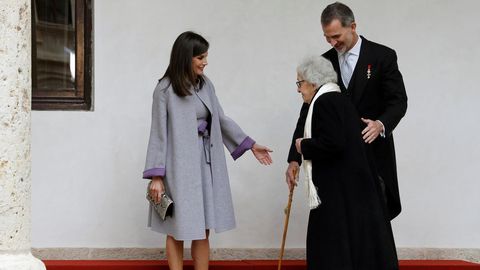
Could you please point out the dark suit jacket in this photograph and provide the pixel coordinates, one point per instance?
(378, 96)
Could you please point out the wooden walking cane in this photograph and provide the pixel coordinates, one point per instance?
(287, 217)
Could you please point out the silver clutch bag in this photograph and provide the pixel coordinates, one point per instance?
(164, 207)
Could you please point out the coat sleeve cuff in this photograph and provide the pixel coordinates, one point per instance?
(246, 145)
(382, 133)
(150, 173)
(305, 146)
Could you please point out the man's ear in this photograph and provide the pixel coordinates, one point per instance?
(353, 26)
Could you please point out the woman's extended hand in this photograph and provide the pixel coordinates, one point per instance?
(262, 154)
(156, 188)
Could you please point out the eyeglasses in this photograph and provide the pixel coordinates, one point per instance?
(299, 83)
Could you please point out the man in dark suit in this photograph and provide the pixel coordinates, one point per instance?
(368, 74)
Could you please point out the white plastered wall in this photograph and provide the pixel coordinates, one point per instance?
(86, 173)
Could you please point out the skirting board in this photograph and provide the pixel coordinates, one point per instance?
(471, 255)
(240, 265)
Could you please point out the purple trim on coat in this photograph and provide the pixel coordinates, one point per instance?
(202, 127)
(247, 144)
(150, 173)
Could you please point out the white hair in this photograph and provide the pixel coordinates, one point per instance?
(317, 70)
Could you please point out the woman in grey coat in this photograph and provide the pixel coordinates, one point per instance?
(185, 155)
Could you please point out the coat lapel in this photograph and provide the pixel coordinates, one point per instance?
(205, 98)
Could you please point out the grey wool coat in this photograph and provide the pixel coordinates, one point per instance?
(173, 153)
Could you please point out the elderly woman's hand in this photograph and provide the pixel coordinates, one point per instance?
(292, 174)
(262, 154)
(298, 145)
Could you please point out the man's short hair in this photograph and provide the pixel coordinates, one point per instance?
(338, 11)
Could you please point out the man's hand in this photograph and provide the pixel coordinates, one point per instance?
(373, 129)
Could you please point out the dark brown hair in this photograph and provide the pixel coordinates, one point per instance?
(337, 11)
(179, 71)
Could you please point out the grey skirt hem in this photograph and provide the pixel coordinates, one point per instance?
(190, 237)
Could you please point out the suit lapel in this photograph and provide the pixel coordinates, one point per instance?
(359, 78)
(333, 57)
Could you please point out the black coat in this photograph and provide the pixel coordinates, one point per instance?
(378, 96)
(350, 228)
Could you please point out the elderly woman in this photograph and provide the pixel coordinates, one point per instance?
(347, 227)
